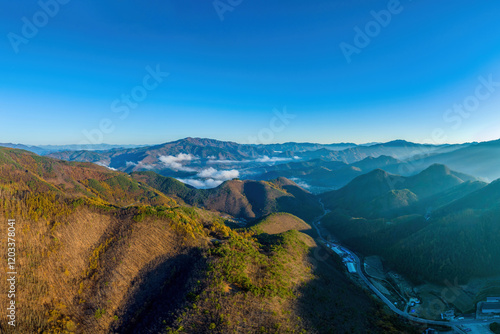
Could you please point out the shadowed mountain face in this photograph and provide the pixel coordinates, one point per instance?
(379, 193)
(479, 159)
(101, 252)
(435, 226)
(462, 239)
(243, 199)
(321, 175)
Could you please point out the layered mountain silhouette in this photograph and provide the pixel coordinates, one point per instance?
(379, 193)
(136, 158)
(319, 166)
(322, 175)
(92, 225)
(100, 251)
(478, 159)
(243, 199)
(438, 225)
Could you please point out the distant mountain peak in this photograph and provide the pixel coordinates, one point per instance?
(377, 172)
(400, 142)
(437, 168)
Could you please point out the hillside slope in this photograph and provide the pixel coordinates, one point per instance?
(279, 223)
(243, 199)
(24, 171)
(323, 175)
(380, 194)
(86, 263)
(436, 227)
(462, 239)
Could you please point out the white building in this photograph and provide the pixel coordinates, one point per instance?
(351, 267)
(490, 308)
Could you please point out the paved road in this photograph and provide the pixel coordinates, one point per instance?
(359, 265)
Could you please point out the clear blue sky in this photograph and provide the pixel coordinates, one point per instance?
(227, 76)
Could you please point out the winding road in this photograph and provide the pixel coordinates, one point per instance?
(359, 265)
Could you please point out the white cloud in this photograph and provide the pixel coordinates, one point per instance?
(145, 166)
(140, 164)
(267, 159)
(211, 178)
(212, 173)
(202, 184)
(263, 159)
(176, 162)
(300, 183)
(213, 161)
(104, 165)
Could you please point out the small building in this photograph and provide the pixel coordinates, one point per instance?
(448, 315)
(493, 299)
(430, 331)
(490, 308)
(351, 267)
(337, 250)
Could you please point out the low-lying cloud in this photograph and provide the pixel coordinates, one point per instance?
(175, 162)
(267, 159)
(105, 165)
(264, 159)
(140, 165)
(211, 178)
(225, 161)
(301, 183)
(212, 173)
(202, 184)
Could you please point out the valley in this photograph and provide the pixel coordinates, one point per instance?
(431, 311)
(230, 167)
(99, 252)
(409, 247)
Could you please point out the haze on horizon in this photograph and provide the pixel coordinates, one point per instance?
(85, 145)
(230, 72)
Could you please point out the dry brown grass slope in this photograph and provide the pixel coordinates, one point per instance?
(88, 262)
(244, 199)
(23, 171)
(82, 274)
(282, 222)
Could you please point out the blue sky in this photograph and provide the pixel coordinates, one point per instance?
(227, 76)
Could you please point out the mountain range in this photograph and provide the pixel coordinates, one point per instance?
(436, 226)
(207, 163)
(100, 216)
(102, 251)
(242, 199)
